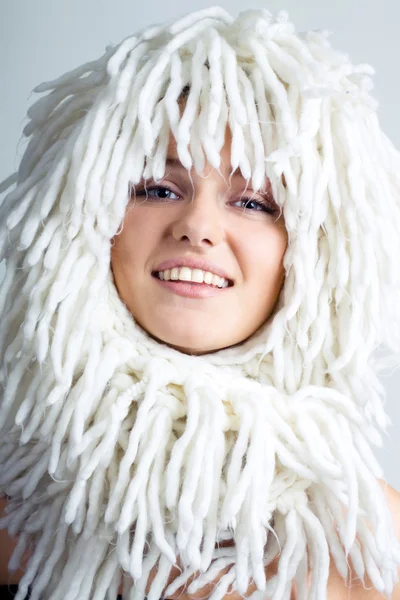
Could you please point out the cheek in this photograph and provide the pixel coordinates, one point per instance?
(132, 244)
(125, 254)
(263, 259)
(122, 252)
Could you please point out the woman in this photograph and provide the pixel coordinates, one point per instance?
(187, 322)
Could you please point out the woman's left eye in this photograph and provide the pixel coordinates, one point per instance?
(256, 205)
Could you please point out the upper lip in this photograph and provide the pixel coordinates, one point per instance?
(192, 263)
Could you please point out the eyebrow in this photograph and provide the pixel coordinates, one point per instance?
(173, 162)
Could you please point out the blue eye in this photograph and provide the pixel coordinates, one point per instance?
(259, 205)
(163, 193)
(159, 190)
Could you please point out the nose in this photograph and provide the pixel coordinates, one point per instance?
(200, 221)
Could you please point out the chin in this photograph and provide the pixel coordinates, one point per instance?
(188, 344)
(191, 346)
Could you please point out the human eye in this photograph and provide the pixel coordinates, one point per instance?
(159, 193)
(260, 205)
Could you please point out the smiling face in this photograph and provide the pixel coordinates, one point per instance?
(221, 227)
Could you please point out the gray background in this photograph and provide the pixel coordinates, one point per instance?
(41, 39)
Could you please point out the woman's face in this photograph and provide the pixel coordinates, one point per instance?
(206, 227)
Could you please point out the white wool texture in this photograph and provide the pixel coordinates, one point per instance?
(119, 454)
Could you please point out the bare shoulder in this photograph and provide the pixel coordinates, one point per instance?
(337, 589)
(7, 545)
(393, 499)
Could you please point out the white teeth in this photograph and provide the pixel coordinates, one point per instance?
(185, 274)
(195, 275)
(175, 274)
(216, 280)
(198, 275)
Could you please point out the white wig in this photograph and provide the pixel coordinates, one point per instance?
(119, 453)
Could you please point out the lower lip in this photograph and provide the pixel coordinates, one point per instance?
(190, 289)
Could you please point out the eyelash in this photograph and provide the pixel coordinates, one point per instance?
(265, 205)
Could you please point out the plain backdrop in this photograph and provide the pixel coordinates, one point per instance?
(41, 39)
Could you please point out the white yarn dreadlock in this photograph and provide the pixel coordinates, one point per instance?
(119, 453)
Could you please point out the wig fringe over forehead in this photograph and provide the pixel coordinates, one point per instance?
(109, 440)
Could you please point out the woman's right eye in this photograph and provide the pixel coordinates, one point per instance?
(159, 192)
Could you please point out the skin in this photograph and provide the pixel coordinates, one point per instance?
(209, 220)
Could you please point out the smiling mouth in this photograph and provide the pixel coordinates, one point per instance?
(216, 282)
